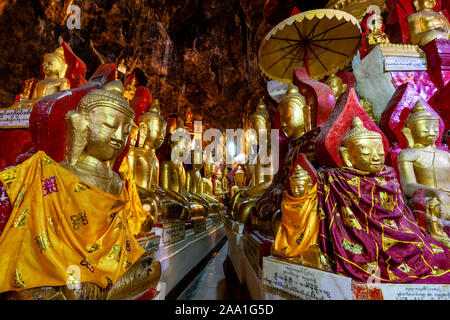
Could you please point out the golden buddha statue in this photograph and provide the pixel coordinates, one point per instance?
(240, 179)
(426, 25)
(130, 88)
(261, 174)
(54, 67)
(422, 166)
(337, 85)
(218, 187)
(295, 119)
(77, 243)
(297, 236)
(206, 189)
(194, 185)
(173, 179)
(376, 34)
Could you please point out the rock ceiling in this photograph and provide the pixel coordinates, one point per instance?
(201, 54)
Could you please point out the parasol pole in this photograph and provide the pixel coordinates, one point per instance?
(306, 61)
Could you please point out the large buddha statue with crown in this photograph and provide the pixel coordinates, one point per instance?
(68, 235)
(54, 67)
(424, 167)
(365, 226)
(173, 177)
(426, 24)
(260, 171)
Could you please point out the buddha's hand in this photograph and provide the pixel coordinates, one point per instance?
(235, 200)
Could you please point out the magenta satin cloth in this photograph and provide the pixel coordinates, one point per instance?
(369, 232)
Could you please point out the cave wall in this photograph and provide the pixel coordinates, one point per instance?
(201, 54)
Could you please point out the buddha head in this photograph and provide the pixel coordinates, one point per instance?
(362, 149)
(54, 64)
(421, 126)
(424, 4)
(181, 146)
(260, 120)
(101, 125)
(300, 182)
(294, 113)
(209, 167)
(337, 85)
(152, 127)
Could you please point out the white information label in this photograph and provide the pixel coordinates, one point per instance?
(405, 64)
(173, 232)
(298, 282)
(415, 291)
(15, 118)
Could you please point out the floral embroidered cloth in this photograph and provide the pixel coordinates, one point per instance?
(62, 230)
(368, 231)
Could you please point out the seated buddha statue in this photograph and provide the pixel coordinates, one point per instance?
(194, 185)
(376, 34)
(426, 25)
(173, 179)
(298, 234)
(145, 166)
(219, 191)
(337, 85)
(422, 166)
(295, 118)
(130, 88)
(206, 187)
(260, 174)
(240, 179)
(365, 226)
(68, 235)
(54, 67)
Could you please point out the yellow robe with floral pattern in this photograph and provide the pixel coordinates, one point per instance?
(62, 230)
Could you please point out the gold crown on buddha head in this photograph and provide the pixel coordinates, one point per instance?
(300, 174)
(417, 4)
(358, 131)
(110, 95)
(420, 112)
(261, 111)
(59, 54)
(293, 95)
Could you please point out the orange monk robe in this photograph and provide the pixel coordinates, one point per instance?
(62, 230)
(299, 227)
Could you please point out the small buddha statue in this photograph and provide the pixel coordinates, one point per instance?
(376, 34)
(206, 187)
(194, 185)
(422, 166)
(240, 179)
(426, 25)
(365, 225)
(297, 236)
(218, 187)
(261, 174)
(77, 243)
(130, 88)
(22, 100)
(54, 67)
(173, 179)
(337, 85)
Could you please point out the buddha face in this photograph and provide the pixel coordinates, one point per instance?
(155, 133)
(424, 131)
(426, 4)
(292, 121)
(219, 175)
(366, 154)
(209, 169)
(336, 86)
(51, 65)
(239, 179)
(180, 146)
(299, 187)
(108, 132)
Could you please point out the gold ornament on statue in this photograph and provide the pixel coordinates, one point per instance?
(426, 25)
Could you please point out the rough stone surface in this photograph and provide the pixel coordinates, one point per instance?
(201, 54)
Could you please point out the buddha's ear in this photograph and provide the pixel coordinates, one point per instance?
(77, 133)
(345, 156)
(307, 118)
(408, 135)
(142, 134)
